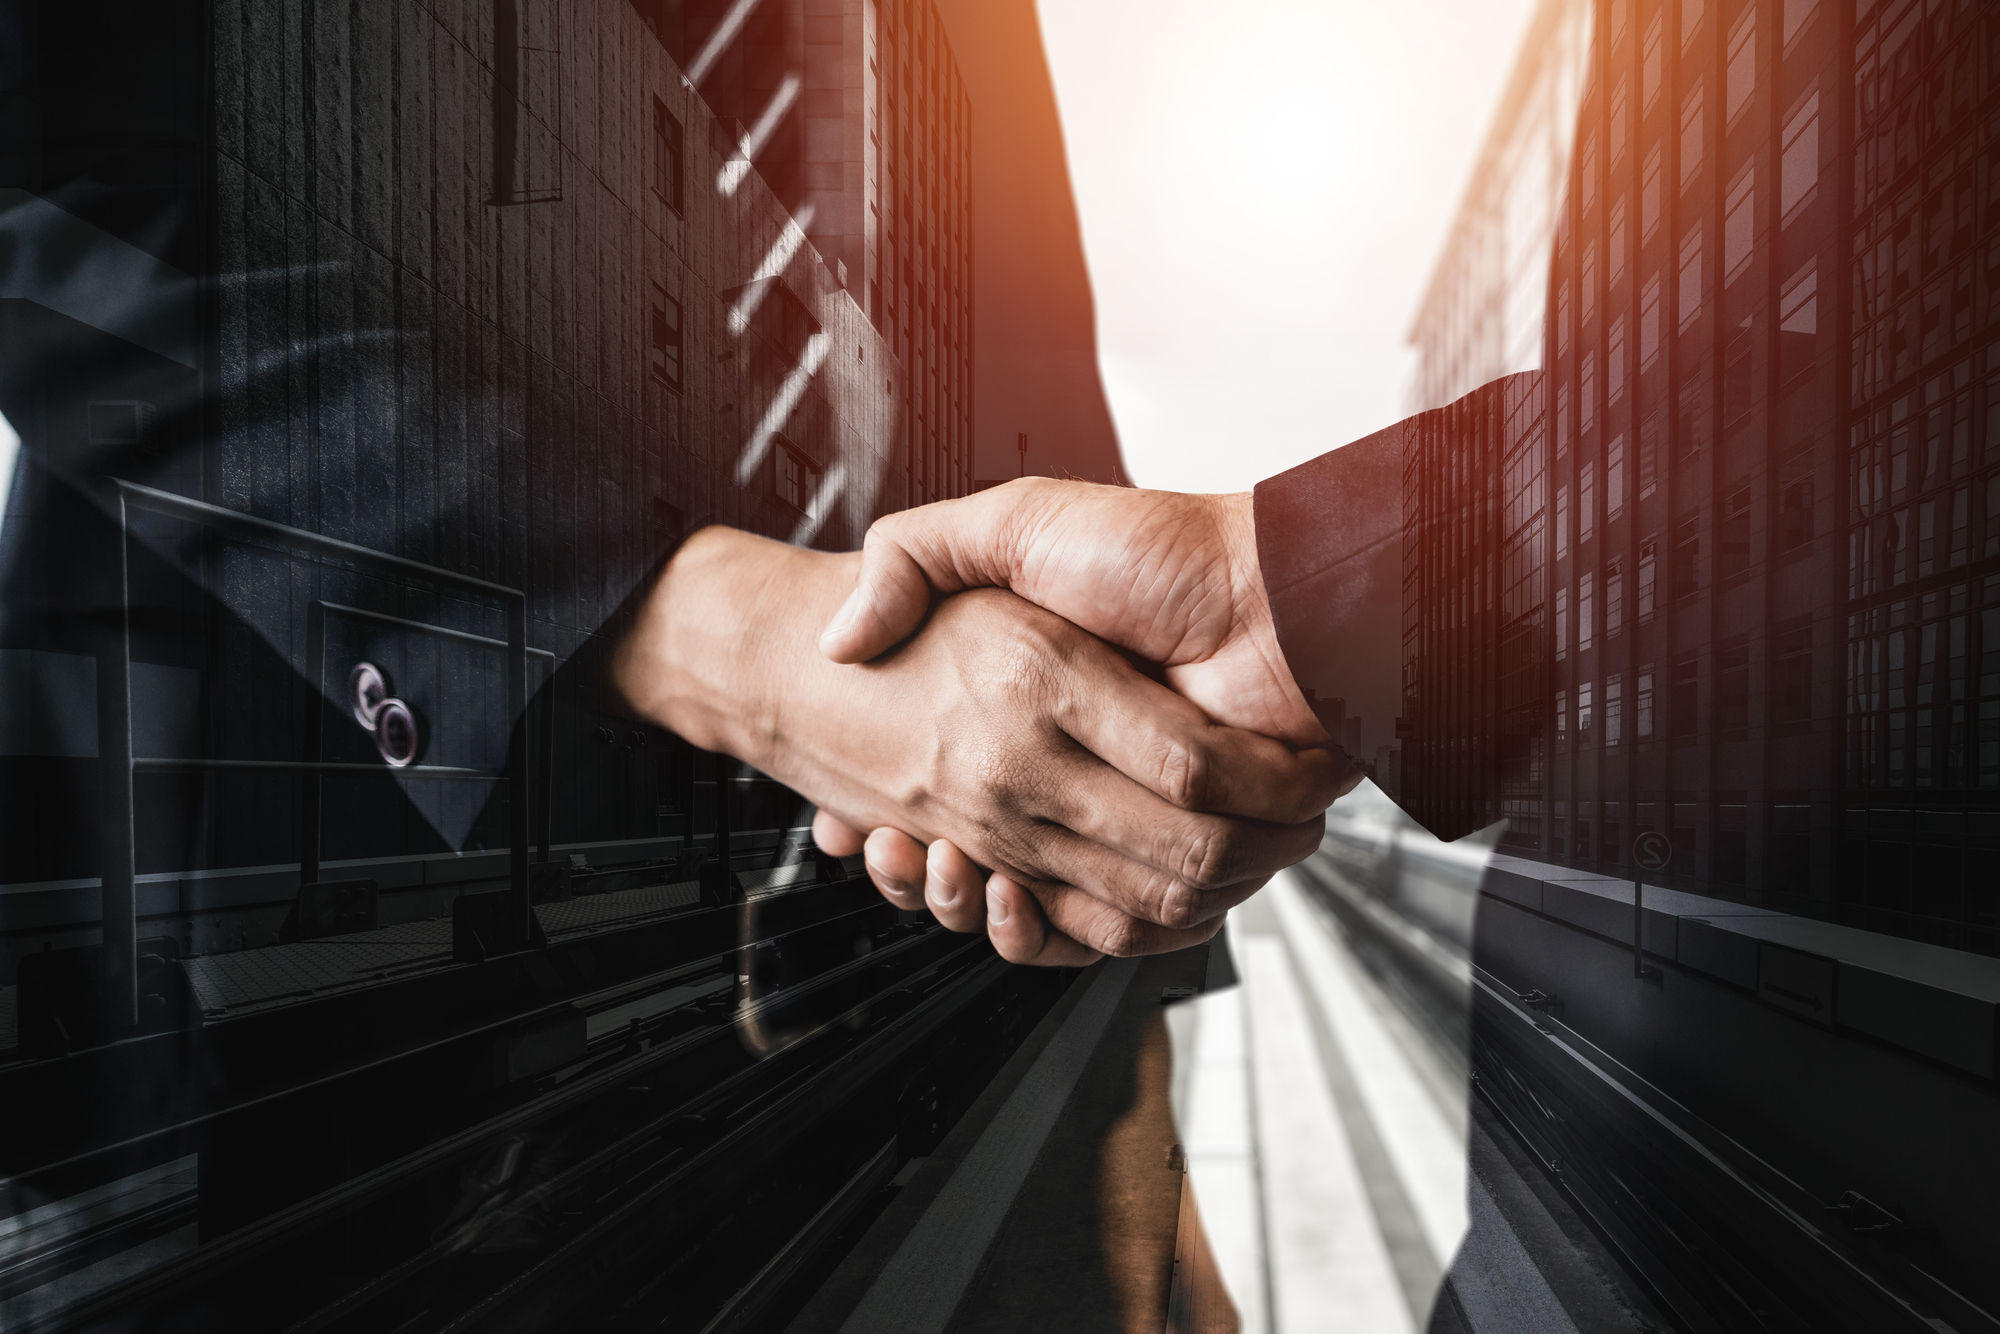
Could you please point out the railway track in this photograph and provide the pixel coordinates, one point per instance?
(718, 1132)
(1651, 1216)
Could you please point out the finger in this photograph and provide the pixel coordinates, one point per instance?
(895, 863)
(1129, 889)
(1021, 933)
(1093, 828)
(1170, 747)
(952, 888)
(835, 837)
(889, 601)
(1098, 927)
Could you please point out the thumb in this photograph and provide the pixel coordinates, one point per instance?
(889, 601)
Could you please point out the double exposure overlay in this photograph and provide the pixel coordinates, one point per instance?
(369, 961)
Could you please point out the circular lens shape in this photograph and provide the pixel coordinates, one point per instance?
(396, 734)
(368, 688)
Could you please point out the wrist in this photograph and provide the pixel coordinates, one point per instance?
(698, 659)
(1236, 523)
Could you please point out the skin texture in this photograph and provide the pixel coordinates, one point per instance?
(1173, 579)
(1003, 732)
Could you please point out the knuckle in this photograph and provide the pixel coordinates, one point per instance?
(1208, 854)
(1121, 937)
(1180, 908)
(1186, 774)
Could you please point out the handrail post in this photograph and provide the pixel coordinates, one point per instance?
(519, 795)
(118, 872)
(310, 784)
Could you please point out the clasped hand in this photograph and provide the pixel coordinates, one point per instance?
(1076, 687)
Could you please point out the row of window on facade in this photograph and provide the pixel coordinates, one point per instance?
(1915, 540)
(1668, 704)
(1598, 831)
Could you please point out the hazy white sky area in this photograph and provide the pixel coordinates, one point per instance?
(1264, 186)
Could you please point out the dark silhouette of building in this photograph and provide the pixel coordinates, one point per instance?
(524, 291)
(1726, 567)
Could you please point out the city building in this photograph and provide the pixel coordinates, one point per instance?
(1481, 313)
(522, 292)
(1740, 553)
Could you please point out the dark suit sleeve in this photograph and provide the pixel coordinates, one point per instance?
(1330, 544)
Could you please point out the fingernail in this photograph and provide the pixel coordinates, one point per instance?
(891, 884)
(940, 890)
(843, 618)
(996, 907)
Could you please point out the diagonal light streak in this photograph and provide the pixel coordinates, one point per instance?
(780, 411)
(738, 167)
(780, 254)
(822, 505)
(725, 32)
(10, 449)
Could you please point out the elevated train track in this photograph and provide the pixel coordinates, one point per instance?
(619, 1130)
(1686, 1208)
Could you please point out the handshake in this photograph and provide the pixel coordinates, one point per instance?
(1078, 687)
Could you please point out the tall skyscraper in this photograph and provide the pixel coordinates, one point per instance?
(1734, 542)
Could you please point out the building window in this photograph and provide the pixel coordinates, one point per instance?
(1586, 285)
(1742, 63)
(1584, 718)
(1649, 323)
(1642, 706)
(1562, 318)
(1690, 136)
(1614, 600)
(664, 340)
(794, 478)
(1795, 514)
(1739, 224)
(669, 152)
(1617, 123)
(1690, 20)
(1733, 555)
(1791, 676)
(1614, 264)
(1614, 709)
(1650, 66)
(1649, 569)
(1687, 558)
(1562, 520)
(1690, 292)
(1649, 454)
(1586, 404)
(1649, 196)
(1587, 177)
(1738, 382)
(1585, 605)
(1797, 14)
(1684, 703)
(1693, 425)
(1614, 478)
(1562, 623)
(1562, 715)
(1798, 323)
(1732, 689)
(1614, 361)
(1586, 503)
(1798, 170)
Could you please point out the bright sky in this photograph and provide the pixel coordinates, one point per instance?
(1264, 186)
